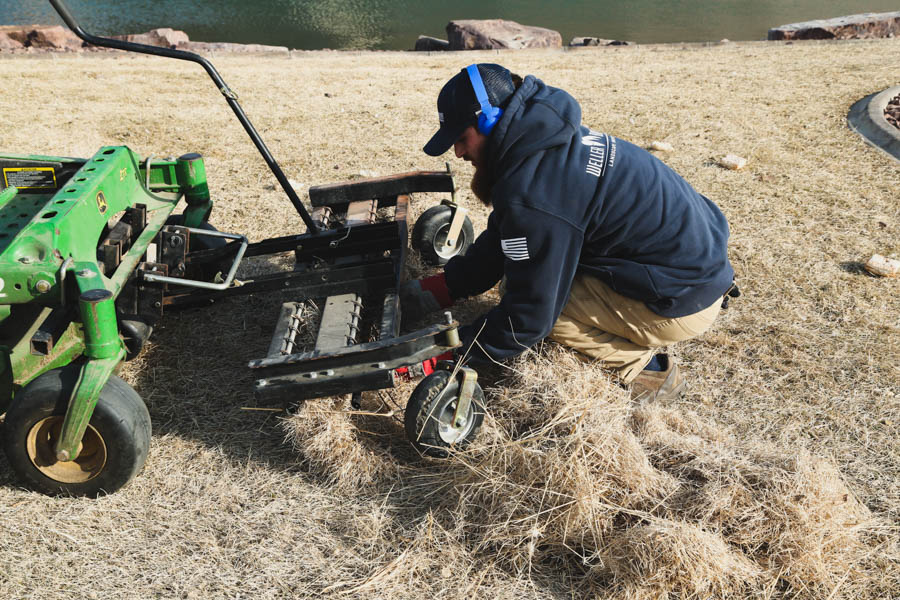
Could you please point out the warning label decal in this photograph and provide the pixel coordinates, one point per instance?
(30, 178)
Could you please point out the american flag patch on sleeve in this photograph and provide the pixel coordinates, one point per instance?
(515, 248)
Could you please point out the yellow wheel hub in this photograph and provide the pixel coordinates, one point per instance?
(41, 443)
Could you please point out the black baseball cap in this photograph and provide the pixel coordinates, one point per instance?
(458, 108)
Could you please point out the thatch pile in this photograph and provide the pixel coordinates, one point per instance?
(639, 501)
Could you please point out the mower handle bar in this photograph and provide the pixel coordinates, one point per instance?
(230, 97)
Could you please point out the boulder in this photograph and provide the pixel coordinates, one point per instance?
(863, 26)
(17, 33)
(54, 37)
(164, 37)
(595, 41)
(431, 44)
(496, 34)
(892, 112)
(8, 42)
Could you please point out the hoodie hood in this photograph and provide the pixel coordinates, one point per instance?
(537, 118)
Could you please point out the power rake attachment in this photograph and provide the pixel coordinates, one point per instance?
(93, 254)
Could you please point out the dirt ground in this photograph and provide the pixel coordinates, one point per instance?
(794, 395)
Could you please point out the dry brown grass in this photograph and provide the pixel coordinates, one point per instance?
(777, 475)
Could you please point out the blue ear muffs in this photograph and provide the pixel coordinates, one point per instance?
(489, 115)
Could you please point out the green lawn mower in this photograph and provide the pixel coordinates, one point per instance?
(93, 253)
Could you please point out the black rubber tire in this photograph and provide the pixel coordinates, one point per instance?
(6, 386)
(120, 420)
(135, 332)
(428, 414)
(430, 233)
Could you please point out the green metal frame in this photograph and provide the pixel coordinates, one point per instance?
(50, 235)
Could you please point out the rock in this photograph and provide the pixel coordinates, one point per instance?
(46, 37)
(733, 162)
(54, 37)
(862, 26)
(431, 44)
(662, 146)
(17, 33)
(883, 267)
(7, 42)
(497, 34)
(595, 41)
(892, 111)
(164, 37)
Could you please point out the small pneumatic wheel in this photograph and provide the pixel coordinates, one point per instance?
(429, 235)
(112, 451)
(428, 419)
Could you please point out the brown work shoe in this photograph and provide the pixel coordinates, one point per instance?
(650, 386)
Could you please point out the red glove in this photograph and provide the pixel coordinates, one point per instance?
(422, 296)
(426, 367)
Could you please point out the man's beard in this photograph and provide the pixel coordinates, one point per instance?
(482, 185)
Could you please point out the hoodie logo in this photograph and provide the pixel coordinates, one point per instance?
(599, 160)
(515, 248)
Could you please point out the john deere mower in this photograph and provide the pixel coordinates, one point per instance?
(95, 251)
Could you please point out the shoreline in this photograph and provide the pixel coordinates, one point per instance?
(463, 35)
(275, 51)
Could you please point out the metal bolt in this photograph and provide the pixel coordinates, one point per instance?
(42, 286)
(157, 304)
(62, 455)
(175, 241)
(329, 372)
(448, 317)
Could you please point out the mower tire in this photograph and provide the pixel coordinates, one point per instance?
(113, 450)
(429, 235)
(428, 419)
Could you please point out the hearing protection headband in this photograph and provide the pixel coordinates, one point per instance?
(489, 114)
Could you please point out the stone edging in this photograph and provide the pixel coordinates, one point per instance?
(866, 118)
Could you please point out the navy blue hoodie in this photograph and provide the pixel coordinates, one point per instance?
(567, 199)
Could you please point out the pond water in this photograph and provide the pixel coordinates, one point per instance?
(395, 24)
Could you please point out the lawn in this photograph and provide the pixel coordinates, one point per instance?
(777, 475)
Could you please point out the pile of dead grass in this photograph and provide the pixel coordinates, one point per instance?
(638, 502)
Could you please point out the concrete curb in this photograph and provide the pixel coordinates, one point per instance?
(866, 117)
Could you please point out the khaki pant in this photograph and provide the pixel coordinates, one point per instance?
(621, 332)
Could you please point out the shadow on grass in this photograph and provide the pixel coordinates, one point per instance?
(194, 378)
(855, 268)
